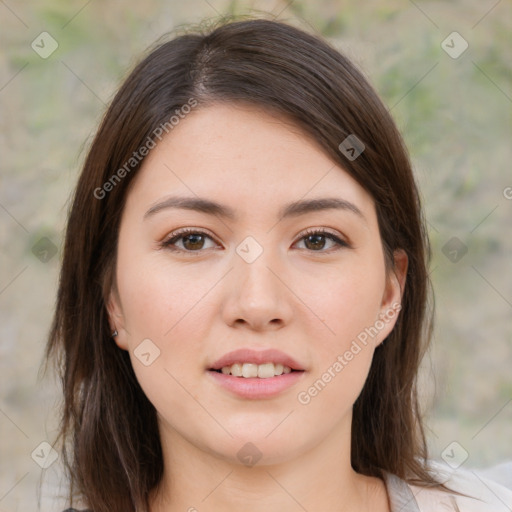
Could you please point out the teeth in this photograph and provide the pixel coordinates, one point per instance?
(266, 370)
(236, 370)
(250, 370)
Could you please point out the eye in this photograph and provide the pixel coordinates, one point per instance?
(193, 240)
(315, 240)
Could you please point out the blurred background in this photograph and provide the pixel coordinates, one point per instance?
(443, 70)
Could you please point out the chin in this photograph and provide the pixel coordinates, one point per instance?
(258, 447)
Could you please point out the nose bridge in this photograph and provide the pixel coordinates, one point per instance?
(256, 294)
(253, 263)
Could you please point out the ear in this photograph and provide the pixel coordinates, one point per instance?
(116, 319)
(393, 291)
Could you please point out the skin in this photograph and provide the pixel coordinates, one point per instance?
(310, 301)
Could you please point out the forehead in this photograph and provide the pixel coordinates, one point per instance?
(245, 157)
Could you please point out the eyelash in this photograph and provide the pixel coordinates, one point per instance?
(177, 235)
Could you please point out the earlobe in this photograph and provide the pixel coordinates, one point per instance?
(396, 280)
(400, 270)
(116, 321)
(392, 297)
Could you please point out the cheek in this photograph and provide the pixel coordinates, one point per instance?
(350, 302)
(343, 356)
(170, 307)
(349, 308)
(157, 298)
(163, 307)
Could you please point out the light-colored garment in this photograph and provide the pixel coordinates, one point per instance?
(484, 491)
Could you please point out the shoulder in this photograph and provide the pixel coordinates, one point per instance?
(473, 490)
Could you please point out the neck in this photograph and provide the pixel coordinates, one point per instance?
(320, 478)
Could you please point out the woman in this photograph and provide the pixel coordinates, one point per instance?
(243, 303)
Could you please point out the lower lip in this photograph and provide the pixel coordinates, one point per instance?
(256, 388)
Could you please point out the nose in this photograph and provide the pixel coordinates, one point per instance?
(257, 295)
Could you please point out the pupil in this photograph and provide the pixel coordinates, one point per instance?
(196, 240)
(317, 241)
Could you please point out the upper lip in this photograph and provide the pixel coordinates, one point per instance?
(247, 355)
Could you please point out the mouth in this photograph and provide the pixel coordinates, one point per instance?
(253, 371)
(254, 387)
(256, 374)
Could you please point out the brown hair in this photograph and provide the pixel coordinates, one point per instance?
(111, 445)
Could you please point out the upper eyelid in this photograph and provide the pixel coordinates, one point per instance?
(186, 231)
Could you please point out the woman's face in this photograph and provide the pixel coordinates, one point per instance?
(254, 273)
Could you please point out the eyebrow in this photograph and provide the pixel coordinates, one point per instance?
(293, 209)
